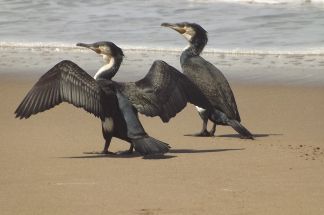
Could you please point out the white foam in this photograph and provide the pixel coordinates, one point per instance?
(262, 1)
(71, 47)
(37, 44)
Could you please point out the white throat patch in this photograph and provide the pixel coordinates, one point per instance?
(189, 33)
(187, 47)
(105, 67)
(187, 36)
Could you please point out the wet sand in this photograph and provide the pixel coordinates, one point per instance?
(44, 169)
(242, 69)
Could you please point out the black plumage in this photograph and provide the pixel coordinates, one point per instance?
(163, 92)
(67, 82)
(209, 80)
(213, 84)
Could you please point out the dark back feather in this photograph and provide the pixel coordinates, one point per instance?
(163, 92)
(212, 84)
(65, 82)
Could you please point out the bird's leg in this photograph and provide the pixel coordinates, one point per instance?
(129, 151)
(204, 116)
(107, 144)
(204, 131)
(213, 130)
(105, 150)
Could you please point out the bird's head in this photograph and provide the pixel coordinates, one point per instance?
(105, 48)
(191, 31)
(111, 54)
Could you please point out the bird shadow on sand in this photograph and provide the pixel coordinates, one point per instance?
(133, 155)
(234, 135)
(254, 135)
(152, 157)
(190, 151)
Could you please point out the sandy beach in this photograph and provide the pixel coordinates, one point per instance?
(44, 169)
(270, 51)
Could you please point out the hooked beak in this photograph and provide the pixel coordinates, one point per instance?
(90, 46)
(175, 27)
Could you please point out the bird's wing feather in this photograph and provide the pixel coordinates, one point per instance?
(65, 82)
(213, 84)
(163, 92)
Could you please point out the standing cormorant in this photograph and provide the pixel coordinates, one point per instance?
(209, 80)
(67, 82)
(163, 92)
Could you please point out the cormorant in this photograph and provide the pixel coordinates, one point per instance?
(67, 82)
(163, 92)
(209, 80)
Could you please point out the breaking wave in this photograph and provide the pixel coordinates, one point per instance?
(70, 47)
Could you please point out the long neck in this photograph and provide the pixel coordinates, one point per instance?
(196, 45)
(109, 69)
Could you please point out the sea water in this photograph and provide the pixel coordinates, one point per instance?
(242, 34)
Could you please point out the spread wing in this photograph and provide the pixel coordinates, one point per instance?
(65, 82)
(213, 84)
(163, 92)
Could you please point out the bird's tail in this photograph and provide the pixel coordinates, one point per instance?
(240, 129)
(149, 145)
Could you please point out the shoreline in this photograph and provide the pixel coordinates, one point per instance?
(242, 69)
(71, 47)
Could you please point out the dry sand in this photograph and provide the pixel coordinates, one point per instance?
(44, 171)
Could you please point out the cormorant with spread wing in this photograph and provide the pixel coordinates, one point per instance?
(163, 92)
(209, 80)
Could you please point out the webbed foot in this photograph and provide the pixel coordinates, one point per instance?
(212, 133)
(100, 153)
(125, 152)
(204, 133)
